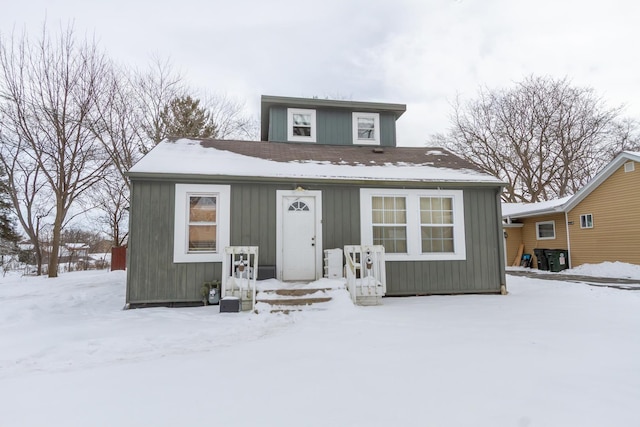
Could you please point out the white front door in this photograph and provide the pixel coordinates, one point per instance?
(299, 230)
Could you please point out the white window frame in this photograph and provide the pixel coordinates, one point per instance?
(181, 224)
(538, 224)
(414, 239)
(300, 138)
(583, 221)
(376, 129)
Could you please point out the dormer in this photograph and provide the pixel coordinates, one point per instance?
(328, 121)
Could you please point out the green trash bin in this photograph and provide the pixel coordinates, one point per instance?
(541, 259)
(557, 259)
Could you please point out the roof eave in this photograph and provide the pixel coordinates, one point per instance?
(159, 176)
(538, 212)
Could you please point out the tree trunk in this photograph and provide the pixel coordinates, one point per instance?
(55, 243)
(38, 254)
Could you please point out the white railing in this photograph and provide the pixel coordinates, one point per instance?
(366, 272)
(240, 272)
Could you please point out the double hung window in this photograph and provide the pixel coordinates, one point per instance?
(203, 234)
(201, 229)
(436, 224)
(389, 221)
(366, 128)
(301, 124)
(414, 224)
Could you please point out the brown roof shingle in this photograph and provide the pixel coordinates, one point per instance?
(343, 154)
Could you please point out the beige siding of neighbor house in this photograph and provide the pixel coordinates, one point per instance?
(615, 207)
(530, 240)
(513, 240)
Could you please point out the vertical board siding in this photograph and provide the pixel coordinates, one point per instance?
(387, 130)
(253, 219)
(153, 277)
(278, 124)
(480, 272)
(334, 127)
(340, 216)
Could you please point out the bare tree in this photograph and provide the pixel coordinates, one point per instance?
(625, 136)
(111, 197)
(128, 119)
(118, 122)
(230, 118)
(48, 90)
(153, 91)
(544, 138)
(32, 202)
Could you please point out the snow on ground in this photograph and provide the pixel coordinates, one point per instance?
(550, 353)
(606, 269)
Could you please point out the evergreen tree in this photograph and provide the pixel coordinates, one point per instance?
(185, 118)
(8, 235)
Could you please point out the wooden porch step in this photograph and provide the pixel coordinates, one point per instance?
(293, 301)
(286, 300)
(296, 292)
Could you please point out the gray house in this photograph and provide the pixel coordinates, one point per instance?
(326, 174)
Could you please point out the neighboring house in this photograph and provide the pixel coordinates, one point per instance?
(67, 252)
(74, 251)
(327, 174)
(599, 223)
(72, 256)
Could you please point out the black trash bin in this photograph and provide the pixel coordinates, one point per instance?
(541, 258)
(557, 259)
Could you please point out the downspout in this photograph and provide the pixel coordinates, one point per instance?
(566, 221)
(502, 256)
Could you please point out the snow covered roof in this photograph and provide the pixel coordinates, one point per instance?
(519, 210)
(77, 245)
(565, 204)
(311, 161)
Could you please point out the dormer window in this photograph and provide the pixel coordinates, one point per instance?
(301, 125)
(366, 128)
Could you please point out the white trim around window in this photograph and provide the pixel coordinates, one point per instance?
(413, 217)
(301, 125)
(586, 221)
(544, 232)
(366, 128)
(184, 192)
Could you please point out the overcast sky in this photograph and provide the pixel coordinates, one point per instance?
(419, 53)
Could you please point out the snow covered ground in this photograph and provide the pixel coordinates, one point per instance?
(550, 353)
